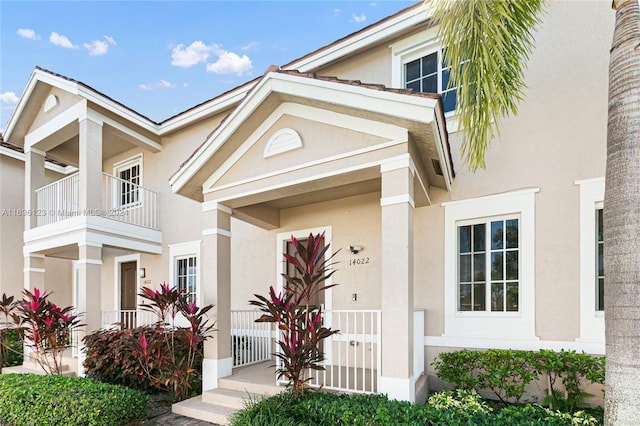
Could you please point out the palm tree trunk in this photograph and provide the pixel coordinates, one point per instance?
(622, 222)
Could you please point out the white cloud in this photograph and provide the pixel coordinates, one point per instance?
(193, 54)
(162, 84)
(99, 47)
(230, 63)
(28, 33)
(358, 18)
(8, 98)
(62, 41)
(373, 4)
(336, 11)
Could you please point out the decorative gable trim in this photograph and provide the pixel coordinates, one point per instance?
(284, 140)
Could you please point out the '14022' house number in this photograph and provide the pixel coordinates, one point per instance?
(359, 261)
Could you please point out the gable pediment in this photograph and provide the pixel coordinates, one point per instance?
(325, 137)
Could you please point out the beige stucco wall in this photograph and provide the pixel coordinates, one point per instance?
(58, 271)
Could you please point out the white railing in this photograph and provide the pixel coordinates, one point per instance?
(127, 318)
(127, 202)
(122, 200)
(58, 200)
(251, 342)
(352, 357)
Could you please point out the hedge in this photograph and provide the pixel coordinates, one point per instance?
(31, 400)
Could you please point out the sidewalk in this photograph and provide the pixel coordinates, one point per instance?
(176, 420)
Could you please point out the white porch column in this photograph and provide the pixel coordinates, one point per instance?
(33, 278)
(89, 301)
(90, 165)
(397, 206)
(33, 180)
(216, 289)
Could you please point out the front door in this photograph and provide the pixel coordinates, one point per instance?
(128, 288)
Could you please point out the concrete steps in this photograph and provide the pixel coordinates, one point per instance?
(217, 405)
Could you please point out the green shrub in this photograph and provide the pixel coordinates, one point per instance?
(11, 352)
(508, 372)
(31, 400)
(461, 407)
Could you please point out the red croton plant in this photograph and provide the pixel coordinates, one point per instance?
(45, 328)
(299, 322)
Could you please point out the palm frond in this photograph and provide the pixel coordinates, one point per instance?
(487, 44)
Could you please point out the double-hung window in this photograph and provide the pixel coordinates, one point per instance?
(488, 265)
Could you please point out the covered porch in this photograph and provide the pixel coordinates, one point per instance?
(297, 141)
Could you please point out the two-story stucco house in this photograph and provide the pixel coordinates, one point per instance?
(433, 257)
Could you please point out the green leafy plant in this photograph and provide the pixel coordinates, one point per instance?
(27, 399)
(507, 373)
(459, 407)
(45, 328)
(572, 369)
(300, 324)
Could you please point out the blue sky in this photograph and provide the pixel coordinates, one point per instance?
(163, 57)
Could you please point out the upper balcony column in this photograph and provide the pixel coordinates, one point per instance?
(33, 179)
(397, 204)
(90, 165)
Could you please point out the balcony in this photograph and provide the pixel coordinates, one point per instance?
(121, 200)
(127, 217)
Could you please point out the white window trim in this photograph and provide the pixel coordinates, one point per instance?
(591, 321)
(136, 160)
(412, 48)
(128, 163)
(498, 325)
(181, 250)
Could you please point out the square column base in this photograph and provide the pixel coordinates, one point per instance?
(399, 389)
(214, 369)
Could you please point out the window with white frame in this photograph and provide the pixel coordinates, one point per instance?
(185, 268)
(489, 272)
(187, 276)
(129, 180)
(417, 63)
(600, 260)
(592, 279)
(488, 265)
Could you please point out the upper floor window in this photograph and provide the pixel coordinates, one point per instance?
(417, 63)
(429, 74)
(129, 174)
(600, 261)
(488, 266)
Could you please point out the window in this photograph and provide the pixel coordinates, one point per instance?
(129, 174)
(592, 280)
(184, 268)
(187, 276)
(488, 266)
(600, 261)
(429, 74)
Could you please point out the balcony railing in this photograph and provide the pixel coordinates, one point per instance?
(127, 319)
(122, 200)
